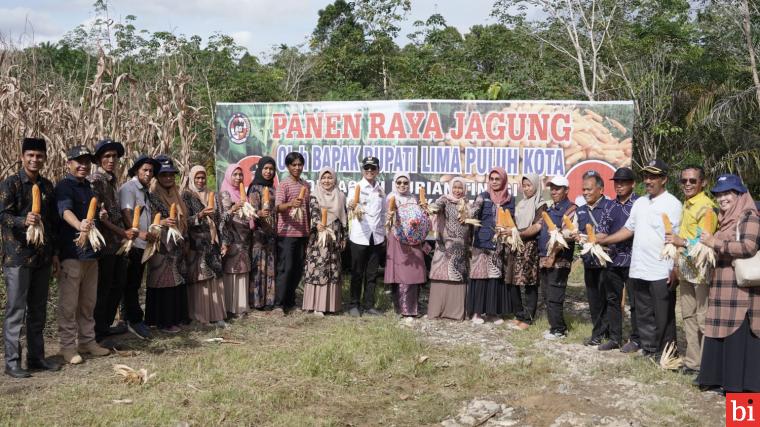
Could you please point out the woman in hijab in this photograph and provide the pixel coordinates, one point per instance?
(236, 243)
(448, 271)
(404, 264)
(732, 325)
(204, 258)
(166, 295)
(264, 242)
(525, 277)
(486, 293)
(322, 278)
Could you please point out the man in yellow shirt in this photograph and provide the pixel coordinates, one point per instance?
(693, 283)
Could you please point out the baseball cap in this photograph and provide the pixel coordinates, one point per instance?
(559, 181)
(79, 151)
(728, 182)
(624, 174)
(370, 161)
(167, 164)
(656, 167)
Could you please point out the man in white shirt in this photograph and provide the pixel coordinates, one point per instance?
(652, 278)
(366, 238)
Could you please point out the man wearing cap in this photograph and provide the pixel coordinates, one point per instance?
(134, 193)
(366, 237)
(112, 268)
(592, 214)
(693, 285)
(78, 281)
(27, 267)
(555, 263)
(652, 278)
(615, 276)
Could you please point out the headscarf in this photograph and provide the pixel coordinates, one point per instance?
(190, 184)
(405, 197)
(729, 219)
(334, 200)
(525, 211)
(167, 197)
(227, 183)
(501, 196)
(258, 176)
(450, 195)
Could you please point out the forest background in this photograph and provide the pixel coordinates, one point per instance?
(690, 67)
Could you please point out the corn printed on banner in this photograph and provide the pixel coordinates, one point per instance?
(434, 141)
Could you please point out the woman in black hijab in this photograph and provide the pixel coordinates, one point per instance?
(264, 247)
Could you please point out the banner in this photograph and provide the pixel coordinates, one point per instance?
(432, 140)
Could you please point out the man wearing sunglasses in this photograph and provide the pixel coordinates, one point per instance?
(694, 288)
(366, 236)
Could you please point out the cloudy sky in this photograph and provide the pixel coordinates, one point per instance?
(255, 24)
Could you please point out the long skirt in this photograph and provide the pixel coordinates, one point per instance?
(165, 307)
(732, 363)
(261, 290)
(323, 298)
(487, 297)
(236, 293)
(446, 300)
(405, 298)
(206, 300)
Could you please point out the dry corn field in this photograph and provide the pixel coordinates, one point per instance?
(148, 117)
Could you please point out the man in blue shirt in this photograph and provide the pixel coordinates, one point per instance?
(78, 281)
(592, 213)
(555, 263)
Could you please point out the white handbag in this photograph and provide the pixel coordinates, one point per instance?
(747, 269)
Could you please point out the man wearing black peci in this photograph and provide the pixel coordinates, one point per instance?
(26, 266)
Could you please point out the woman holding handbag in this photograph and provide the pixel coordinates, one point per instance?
(732, 325)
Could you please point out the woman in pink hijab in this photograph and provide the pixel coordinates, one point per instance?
(236, 243)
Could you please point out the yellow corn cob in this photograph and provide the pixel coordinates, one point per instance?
(324, 216)
(36, 199)
(423, 198)
(591, 234)
(136, 217)
(265, 195)
(173, 211)
(242, 192)
(568, 224)
(357, 193)
(508, 220)
(157, 219)
(211, 200)
(92, 209)
(548, 220)
(667, 224)
(302, 193)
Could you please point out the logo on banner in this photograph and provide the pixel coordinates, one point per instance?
(238, 128)
(741, 409)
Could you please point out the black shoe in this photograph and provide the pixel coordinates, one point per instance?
(685, 370)
(609, 345)
(592, 341)
(630, 347)
(16, 372)
(373, 312)
(119, 329)
(42, 365)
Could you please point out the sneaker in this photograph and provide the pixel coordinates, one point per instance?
(630, 347)
(498, 321)
(409, 319)
(609, 345)
(373, 312)
(592, 341)
(139, 330)
(173, 329)
(71, 356)
(221, 324)
(554, 336)
(478, 320)
(354, 312)
(318, 314)
(94, 349)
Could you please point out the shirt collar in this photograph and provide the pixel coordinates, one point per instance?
(76, 181)
(697, 197)
(562, 204)
(365, 183)
(137, 183)
(597, 203)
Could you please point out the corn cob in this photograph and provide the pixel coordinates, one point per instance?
(36, 199)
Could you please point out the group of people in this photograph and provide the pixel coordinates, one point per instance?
(211, 257)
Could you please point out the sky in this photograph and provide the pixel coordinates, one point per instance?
(255, 24)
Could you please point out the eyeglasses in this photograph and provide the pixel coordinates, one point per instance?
(691, 181)
(369, 168)
(402, 182)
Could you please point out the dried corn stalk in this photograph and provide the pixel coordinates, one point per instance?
(669, 358)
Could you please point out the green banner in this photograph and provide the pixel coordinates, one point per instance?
(432, 140)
